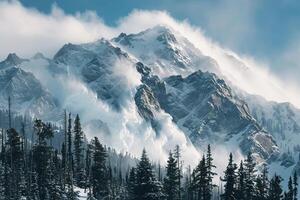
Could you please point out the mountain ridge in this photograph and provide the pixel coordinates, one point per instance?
(177, 79)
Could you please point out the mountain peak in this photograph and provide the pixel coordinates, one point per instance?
(13, 58)
(162, 29)
(39, 55)
(162, 33)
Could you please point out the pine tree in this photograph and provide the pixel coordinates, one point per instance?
(241, 185)
(171, 180)
(64, 152)
(249, 177)
(275, 191)
(289, 195)
(177, 156)
(41, 156)
(147, 187)
(3, 146)
(188, 193)
(2, 181)
(259, 189)
(99, 171)
(210, 173)
(262, 185)
(34, 187)
(295, 182)
(15, 157)
(131, 184)
(7, 181)
(265, 181)
(88, 163)
(70, 154)
(230, 180)
(78, 152)
(63, 155)
(200, 183)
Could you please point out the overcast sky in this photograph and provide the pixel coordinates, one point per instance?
(267, 30)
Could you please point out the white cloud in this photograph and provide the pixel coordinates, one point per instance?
(27, 31)
(244, 72)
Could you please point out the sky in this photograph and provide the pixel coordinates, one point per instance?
(266, 30)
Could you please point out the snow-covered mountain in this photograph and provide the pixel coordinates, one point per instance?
(282, 120)
(95, 64)
(27, 94)
(165, 51)
(126, 84)
(204, 106)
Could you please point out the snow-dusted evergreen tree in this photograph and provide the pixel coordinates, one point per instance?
(295, 183)
(265, 181)
(241, 185)
(177, 155)
(289, 195)
(171, 180)
(230, 180)
(2, 181)
(99, 178)
(147, 187)
(78, 152)
(63, 157)
(210, 171)
(131, 184)
(41, 157)
(249, 177)
(275, 191)
(200, 182)
(34, 187)
(69, 153)
(259, 189)
(88, 168)
(14, 158)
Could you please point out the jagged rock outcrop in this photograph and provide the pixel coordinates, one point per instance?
(26, 92)
(204, 106)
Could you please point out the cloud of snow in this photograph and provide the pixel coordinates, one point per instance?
(244, 72)
(124, 130)
(47, 33)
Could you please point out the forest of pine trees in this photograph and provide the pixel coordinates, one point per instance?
(32, 168)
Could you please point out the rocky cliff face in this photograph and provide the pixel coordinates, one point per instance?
(96, 64)
(280, 119)
(26, 92)
(12, 60)
(204, 106)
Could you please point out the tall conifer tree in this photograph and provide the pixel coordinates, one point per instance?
(78, 152)
(230, 180)
(171, 180)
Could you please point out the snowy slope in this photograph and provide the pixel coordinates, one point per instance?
(165, 51)
(97, 64)
(280, 119)
(26, 92)
(204, 106)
